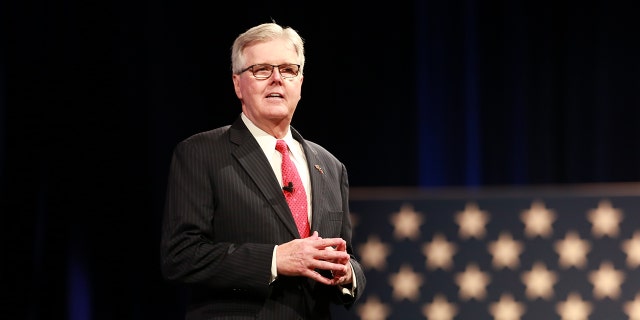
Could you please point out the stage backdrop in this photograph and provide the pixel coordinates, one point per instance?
(498, 253)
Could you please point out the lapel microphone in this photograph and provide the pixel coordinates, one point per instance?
(288, 188)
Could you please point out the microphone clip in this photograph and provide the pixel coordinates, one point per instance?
(289, 187)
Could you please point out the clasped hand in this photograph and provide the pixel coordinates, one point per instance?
(302, 257)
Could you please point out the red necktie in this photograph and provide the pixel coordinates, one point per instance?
(294, 190)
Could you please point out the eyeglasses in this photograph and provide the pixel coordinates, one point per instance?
(263, 71)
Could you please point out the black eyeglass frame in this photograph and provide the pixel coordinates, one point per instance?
(273, 67)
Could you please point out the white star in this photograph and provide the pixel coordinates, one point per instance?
(538, 220)
(505, 251)
(472, 222)
(439, 309)
(406, 284)
(373, 253)
(606, 281)
(507, 308)
(632, 248)
(605, 220)
(407, 223)
(539, 281)
(472, 283)
(439, 252)
(373, 309)
(572, 250)
(632, 308)
(574, 308)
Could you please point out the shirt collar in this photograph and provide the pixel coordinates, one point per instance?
(268, 142)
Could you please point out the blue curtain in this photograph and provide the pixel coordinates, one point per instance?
(522, 93)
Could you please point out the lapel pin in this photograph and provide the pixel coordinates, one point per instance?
(318, 168)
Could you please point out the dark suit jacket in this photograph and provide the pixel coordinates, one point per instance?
(224, 213)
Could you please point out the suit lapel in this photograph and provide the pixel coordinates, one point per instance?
(256, 165)
(318, 181)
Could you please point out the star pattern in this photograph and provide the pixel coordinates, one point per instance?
(558, 258)
(473, 283)
(439, 252)
(507, 308)
(406, 223)
(574, 308)
(539, 281)
(505, 251)
(631, 248)
(606, 281)
(632, 308)
(538, 220)
(440, 309)
(374, 253)
(406, 283)
(572, 250)
(472, 222)
(605, 220)
(373, 309)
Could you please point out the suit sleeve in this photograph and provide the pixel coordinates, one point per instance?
(347, 232)
(188, 252)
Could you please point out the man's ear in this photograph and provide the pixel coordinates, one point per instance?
(236, 85)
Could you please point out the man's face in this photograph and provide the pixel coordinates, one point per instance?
(274, 99)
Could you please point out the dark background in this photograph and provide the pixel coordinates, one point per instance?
(94, 96)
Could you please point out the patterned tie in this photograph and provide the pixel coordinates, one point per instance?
(294, 190)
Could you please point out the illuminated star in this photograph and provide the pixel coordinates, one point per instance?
(539, 281)
(505, 251)
(632, 308)
(472, 283)
(632, 248)
(538, 220)
(406, 223)
(472, 222)
(406, 284)
(574, 308)
(373, 309)
(507, 308)
(605, 220)
(439, 309)
(374, 253)
(572, 250)
(606, 281)
(439, 252)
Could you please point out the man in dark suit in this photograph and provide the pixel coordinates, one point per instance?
(228, 232)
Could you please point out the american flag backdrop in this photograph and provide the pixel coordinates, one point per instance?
(567, 253)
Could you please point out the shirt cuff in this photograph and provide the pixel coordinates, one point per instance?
(274, 266)
(350, 291)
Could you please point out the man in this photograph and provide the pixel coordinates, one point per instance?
(229, 233)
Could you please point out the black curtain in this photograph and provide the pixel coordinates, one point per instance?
(94, 95)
